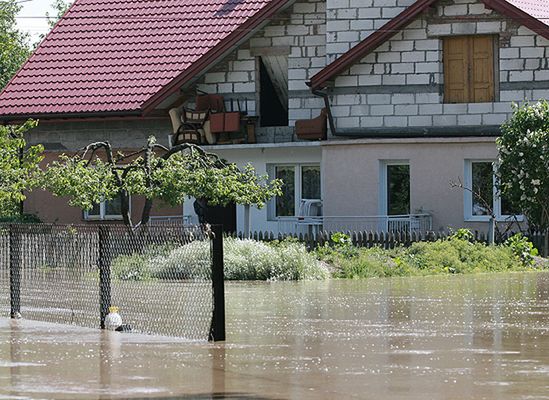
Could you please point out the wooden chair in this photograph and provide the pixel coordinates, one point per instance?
(313, 129)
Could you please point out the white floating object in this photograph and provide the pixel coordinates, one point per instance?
(113, 320)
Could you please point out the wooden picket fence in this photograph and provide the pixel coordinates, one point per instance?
(388, 240)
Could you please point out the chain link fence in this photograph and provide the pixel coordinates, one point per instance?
(160, 277)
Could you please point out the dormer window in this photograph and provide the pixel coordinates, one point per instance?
(469, 71)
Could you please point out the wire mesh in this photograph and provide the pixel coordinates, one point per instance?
(4, 272)
(161, 279)
(159, 276)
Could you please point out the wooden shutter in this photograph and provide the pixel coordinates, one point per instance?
(482, 69)
(456, 59)
(468, 69)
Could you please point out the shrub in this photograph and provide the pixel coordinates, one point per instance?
(522, 248)
(20, 219)
(456, 255)
(367, 263)
(244, 260)
(131, 268)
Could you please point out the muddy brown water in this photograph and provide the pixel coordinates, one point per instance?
(458, 337)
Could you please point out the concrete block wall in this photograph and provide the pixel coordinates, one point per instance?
(348, 22)
(71, 136)
(303, 29)
(400, 84)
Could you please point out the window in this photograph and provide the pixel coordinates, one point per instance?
(301, 182)
(109, 209)
(273, 90)
(481, 195)
(395, 188)
(469, 69)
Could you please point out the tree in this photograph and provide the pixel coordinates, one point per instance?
(14, 47)
(19, 167)
(97, 173)
(523, 163)
(60, 7)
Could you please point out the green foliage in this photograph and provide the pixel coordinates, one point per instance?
(83, 183)
(14, 47)
(131, 268)
(60, 7)
(368, 263)
(191, 174)
(20, 219)
(155, 173)
(340, 245)
(522, 248)
(456, 255)
(523, 169)
(19, 166)
(244, 260)
(463, 234)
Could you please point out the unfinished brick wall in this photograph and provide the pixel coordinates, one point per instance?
(400, 84)
(302, 30)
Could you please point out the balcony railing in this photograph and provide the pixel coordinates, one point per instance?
(377, 223)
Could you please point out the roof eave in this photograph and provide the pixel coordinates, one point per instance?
(7, 119)
(373, 41)
(515, 13)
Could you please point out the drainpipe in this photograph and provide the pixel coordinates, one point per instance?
(247, 221)
(324, 95)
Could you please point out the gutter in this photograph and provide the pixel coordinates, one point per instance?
(324, 95)
(420, 132)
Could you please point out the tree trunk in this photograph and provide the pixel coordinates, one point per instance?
(146, 213)
(199, 206)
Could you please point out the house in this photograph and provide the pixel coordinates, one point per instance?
(415, 92)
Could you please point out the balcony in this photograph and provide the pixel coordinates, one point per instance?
(418, 223)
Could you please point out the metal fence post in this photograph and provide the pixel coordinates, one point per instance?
(15, 271)
(217, 330)
(104, 275)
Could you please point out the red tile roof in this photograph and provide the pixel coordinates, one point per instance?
(536, 8)
(526, 12)
(123, 56)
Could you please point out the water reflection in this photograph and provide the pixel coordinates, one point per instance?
(465, 337)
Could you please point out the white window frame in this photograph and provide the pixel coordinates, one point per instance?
(271, 170)
(102, 213)
(382, 190)
(468, 196)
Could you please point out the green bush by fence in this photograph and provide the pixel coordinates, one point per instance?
(457, 254)
(244, 259)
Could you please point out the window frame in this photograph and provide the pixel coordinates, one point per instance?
(298, 188)
(468, 195)
(102, 213)
(383, 198)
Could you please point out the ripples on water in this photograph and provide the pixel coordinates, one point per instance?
(462, 337)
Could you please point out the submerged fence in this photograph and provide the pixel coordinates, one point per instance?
(389, 240)
(164, 279)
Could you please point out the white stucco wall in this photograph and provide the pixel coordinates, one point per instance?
(351, 176)
(261, 156)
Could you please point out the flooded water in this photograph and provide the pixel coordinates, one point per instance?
(457, 337)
